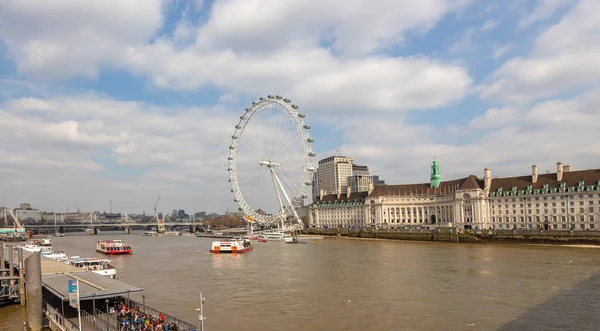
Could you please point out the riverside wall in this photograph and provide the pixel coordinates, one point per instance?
(469, 236)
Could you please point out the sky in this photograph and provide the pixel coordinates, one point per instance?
(123, 100)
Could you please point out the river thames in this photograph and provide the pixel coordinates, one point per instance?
(345, 284)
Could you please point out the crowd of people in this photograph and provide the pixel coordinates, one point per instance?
(132, 319)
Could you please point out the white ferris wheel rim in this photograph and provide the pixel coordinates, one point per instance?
(304, 180)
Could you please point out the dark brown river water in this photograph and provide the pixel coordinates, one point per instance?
(344, 284)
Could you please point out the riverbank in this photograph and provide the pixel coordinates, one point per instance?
(550, 237)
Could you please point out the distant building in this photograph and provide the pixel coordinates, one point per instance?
(25, 206)
(332, 174)
(28, 214)
(335, 173)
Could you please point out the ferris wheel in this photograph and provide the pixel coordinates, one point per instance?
(270, 161)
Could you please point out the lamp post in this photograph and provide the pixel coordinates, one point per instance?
(201, 312)
(94, 306)
(106, 301)
(128, 303)
(143, 302)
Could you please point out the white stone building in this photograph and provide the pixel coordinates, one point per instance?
(563, 200)
(557, 201)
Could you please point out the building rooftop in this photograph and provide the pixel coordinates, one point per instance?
(467, 183)
(571, 178)
(91, 285)
(355, 197)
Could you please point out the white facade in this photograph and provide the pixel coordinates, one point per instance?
(332, 175)
(563, 200)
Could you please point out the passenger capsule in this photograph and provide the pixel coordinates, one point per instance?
(287, 100)
(278, 97)
(300, 115)
(306, 126)
(310, 140)
(311, 169)
(308, 183)
(270, 96)
(238, 127)
(295, 106)
(230, 158)
(262, 99)
(311, 154)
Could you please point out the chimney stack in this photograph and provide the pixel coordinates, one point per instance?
(487, 179)
(321, 194)
(566, 168)
(534, 174)
(348, 191)
(559, 171)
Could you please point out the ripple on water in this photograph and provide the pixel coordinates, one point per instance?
(351, 285)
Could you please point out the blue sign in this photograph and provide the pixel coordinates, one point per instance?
(72, 286)
(73, 293)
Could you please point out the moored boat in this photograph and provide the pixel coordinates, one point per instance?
(50, 253)
(113, 247)
(231, 246)
(275, 236)
(172, 233)
(96, 265)
(150, 234)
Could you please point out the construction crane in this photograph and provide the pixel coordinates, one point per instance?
(15, 218)
(76, 206)
(160, 222)
(156, 205)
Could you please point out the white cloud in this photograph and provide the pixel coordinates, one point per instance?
(312, 75)
(494, 117)
(71, 37)
(506, 139)
(463, 44)
(490, 24)
(543, 10)
(564, 59)
(353, 29)
(500, 51)
(79, 141)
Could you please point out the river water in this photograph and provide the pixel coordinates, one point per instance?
(366, 285)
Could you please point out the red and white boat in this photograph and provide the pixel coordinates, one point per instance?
(231, 246)
(113, 247)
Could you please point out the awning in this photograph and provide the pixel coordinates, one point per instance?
(91, 285)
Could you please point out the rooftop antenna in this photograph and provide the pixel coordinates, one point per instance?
(337, 151)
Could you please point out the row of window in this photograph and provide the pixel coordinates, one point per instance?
(545, 219)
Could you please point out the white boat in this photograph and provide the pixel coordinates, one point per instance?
(172, 233)
(31, 247)
(276, 236)
(58, 234)
(48, 252)
(96, 265)
(231, 246)
(150, 234)
(46, 242)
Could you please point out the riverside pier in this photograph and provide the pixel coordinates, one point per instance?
(42, 286)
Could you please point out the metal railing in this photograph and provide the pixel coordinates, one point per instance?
(181, 325)
(57, 319)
